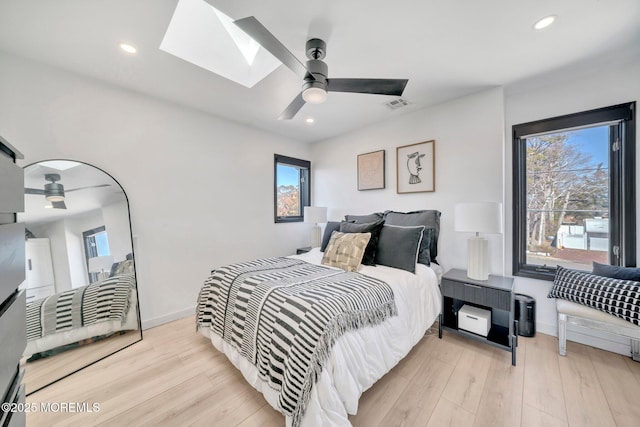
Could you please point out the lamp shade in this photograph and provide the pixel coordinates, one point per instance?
(478, 217)
(315, 214)
(99, 264)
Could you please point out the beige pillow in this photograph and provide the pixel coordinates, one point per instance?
(345, 250)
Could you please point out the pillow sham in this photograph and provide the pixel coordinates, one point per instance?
(363, 219)
(345, 250)
(616, 272)
(374, 228)
(399, 246)
(428, 219)
(328, 229)
(620, 298)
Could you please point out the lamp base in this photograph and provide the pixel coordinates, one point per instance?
(316, 238)
(477, 258)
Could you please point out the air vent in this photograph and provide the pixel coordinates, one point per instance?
(397, 103)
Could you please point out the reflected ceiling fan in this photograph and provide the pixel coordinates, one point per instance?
(316, 82)
(55, 192)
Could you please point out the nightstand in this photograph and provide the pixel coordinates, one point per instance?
(303, 250)
(494, 295)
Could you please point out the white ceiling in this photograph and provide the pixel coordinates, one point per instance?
(77, 202)
(446, 49)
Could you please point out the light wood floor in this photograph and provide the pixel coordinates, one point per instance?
(175, 377)
(42, 372)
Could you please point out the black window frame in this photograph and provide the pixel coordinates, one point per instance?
(304, 185)
(622, 196)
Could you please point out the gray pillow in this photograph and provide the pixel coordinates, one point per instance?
(398, 246)
(616, 272)
(363, 219)
(428, 218)
(328, 229)
(374, 228)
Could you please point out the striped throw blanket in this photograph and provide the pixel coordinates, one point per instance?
(87, 305)
(283, 315)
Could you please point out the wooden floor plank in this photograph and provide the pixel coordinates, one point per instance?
(466, 383)
(176, 377)
(501, 402)
(585, 401)
(542, 384)
(416, 403)
(533, 417)
(447, 413)
(619, 385)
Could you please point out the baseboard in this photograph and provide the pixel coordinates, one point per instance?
(547, 329)
(151, 323)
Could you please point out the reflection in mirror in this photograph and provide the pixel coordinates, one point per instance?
(82, 301)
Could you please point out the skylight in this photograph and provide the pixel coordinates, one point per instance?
(206, 37)
(248, 47)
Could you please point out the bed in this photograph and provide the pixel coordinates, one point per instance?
(82, 314)
(358, 356)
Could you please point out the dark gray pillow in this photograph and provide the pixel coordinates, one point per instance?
(616, 272)
(374, 228)
(363, 219)
(398, 246)
(328, 229)
(428, 218)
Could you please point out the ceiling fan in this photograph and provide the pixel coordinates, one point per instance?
(316, 82)
(55, 192)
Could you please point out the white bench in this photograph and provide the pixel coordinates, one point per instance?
(581, 315)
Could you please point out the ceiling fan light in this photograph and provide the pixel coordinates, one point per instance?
(314, 95)
(54, 192)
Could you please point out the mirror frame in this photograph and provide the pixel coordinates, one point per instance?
(135, 276)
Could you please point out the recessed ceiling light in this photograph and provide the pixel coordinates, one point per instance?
(544, 22)
(128, 48)
(48, 206)
(309, 120)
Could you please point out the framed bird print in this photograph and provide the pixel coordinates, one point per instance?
(416, 167)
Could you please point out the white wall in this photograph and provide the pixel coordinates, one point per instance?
(469, 152)
(540, 99)
(200, 188)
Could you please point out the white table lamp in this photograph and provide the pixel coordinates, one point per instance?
(478, 217)
(315, 215)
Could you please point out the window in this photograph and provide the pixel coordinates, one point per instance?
(96, 244)
(292, 188)
(574, 192)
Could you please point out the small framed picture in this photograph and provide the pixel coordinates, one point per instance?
(371, 170)
(416, 167)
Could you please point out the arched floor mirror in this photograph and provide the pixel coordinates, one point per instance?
(82, 299)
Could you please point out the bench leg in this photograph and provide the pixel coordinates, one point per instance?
(635, 350)
(562, 334)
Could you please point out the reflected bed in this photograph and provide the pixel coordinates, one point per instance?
(91, 311)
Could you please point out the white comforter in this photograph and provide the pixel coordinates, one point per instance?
(359, 358)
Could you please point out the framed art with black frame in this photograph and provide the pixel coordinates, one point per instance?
(416, 167)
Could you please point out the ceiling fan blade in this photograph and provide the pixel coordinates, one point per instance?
(260, 34)
(373, 86)
(59, 205)
(33, 191)
(84, 188)
(293, 108)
